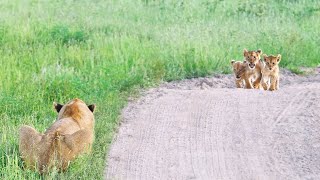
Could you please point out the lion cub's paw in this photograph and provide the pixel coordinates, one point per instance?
(257, 86)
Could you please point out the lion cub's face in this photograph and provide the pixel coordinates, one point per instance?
(75, 107)
(238, 68)
(271, 61)
(252, 57)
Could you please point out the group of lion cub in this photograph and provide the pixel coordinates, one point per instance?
(254, 73)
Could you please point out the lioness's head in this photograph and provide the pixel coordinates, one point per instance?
(271, 61)
(252, 57)
(74, 108)
(238, 68)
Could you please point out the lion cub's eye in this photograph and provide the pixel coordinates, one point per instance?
(254, 57)
(273, 63)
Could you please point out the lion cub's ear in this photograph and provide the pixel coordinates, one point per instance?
(232, 61)
(278, 57)
(264, 57)
(57, 106)
(245, 52)
(92, 107)
(259, 51)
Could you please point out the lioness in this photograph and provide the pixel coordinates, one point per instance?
(270, 72)
(253, 70)
(239, 69)
(70, 135)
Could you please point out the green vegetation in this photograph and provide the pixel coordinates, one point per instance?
(104, 51)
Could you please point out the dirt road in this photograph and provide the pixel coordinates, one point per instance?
(207, 129)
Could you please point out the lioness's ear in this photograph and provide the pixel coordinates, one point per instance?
(278, 57)
(57, 106)
(245, 52)
(232, 61)
(92, 107)
(259, 51)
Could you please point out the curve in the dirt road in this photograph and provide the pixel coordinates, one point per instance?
(220, 133)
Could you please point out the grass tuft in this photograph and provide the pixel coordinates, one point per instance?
(64, 35)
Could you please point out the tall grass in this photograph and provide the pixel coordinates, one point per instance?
(104, 51)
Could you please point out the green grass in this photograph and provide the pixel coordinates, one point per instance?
(104, 51)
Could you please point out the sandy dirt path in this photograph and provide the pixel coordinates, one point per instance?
(207, 129)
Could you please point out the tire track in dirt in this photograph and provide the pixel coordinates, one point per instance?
(182, 130)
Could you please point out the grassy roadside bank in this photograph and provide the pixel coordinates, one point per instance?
(104, 51)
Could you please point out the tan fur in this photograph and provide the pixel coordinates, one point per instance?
(253, 70)
(239, 69)
(70, 135)
(270, 72)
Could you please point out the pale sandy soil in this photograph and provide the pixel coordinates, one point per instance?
(205, 128)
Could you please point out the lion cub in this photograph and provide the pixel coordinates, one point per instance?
(270, 72)
(253, 70)
(70, 135)
(239, 69)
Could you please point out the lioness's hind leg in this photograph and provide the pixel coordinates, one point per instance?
(79, 141)
(28, 140)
